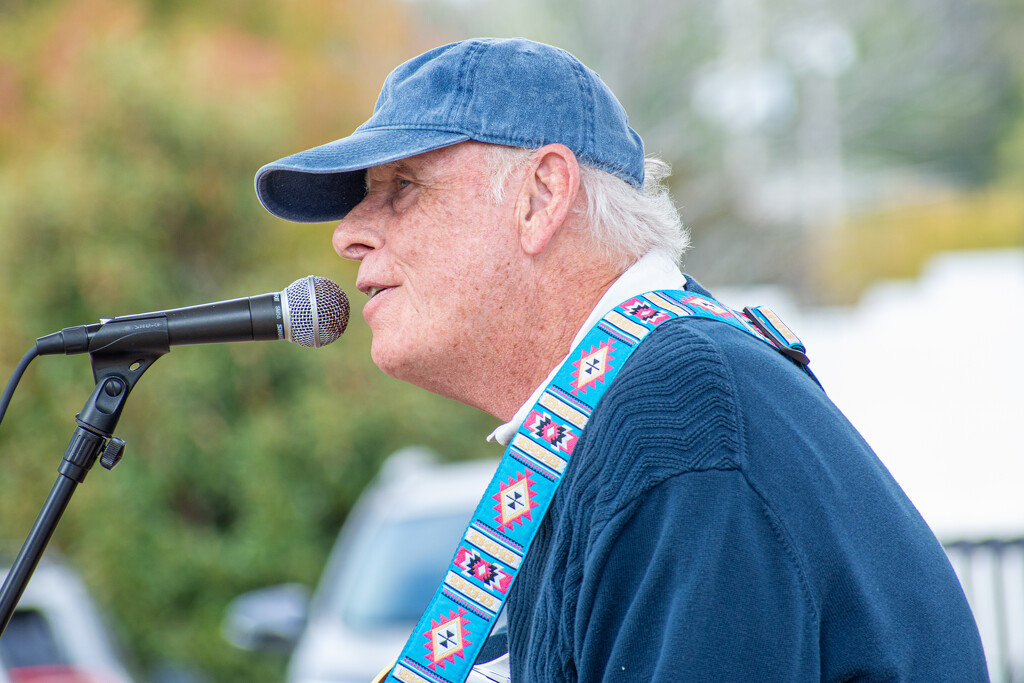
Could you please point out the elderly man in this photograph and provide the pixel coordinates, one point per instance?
(718, 518)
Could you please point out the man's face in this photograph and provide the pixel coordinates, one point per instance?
(437, 258)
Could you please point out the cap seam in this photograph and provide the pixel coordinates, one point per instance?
(473, 135)
(467, 68)
(586, 91)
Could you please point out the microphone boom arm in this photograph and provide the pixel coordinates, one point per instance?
(312, 311)
(122, 354)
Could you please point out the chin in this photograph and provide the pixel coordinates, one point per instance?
(397, 363)
(412, 371)
(385, 361)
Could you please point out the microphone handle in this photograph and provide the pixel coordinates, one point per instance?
(256, 318)
(253, 318)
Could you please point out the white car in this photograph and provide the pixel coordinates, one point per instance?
(56, 634)
(389, 558)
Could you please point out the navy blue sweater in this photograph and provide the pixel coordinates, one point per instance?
(721, 520)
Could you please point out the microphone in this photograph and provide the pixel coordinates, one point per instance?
(312, 312)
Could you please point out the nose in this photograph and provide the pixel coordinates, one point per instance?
(356, 236)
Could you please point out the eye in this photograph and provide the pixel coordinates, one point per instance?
(401, 196)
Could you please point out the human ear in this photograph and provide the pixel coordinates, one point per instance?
(547, 196)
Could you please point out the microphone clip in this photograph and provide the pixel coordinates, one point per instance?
(120, 351)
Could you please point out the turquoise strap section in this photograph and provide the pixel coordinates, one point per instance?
(452, 630)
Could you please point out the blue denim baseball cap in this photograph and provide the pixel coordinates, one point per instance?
(506, 92)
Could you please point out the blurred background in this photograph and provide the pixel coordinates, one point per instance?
(857, 166)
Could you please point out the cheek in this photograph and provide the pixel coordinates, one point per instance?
(457, 263)
(457, 257)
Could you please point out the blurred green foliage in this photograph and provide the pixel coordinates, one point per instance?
(129, 136)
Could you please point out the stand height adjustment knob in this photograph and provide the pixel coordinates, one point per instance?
(112, 453)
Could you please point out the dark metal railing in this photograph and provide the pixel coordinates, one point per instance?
(992, 575)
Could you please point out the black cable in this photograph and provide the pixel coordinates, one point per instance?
(12, 383)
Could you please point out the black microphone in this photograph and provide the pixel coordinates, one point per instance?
(312, 311)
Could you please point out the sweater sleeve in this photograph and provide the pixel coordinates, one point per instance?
(695, 582)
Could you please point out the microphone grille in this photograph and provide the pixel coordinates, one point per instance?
(316, 311)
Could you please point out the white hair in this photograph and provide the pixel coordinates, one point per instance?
(624, 222)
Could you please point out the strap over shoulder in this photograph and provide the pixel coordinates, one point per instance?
(452, 631)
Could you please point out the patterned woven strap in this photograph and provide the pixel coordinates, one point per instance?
(455, 625)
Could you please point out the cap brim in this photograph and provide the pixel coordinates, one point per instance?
(326, 182)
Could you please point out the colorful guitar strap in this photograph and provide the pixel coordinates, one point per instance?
(451, 632)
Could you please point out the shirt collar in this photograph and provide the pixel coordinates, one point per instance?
(651, 272)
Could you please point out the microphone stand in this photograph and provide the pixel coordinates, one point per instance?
(121, 352)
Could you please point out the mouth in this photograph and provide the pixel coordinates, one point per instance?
(373, 290)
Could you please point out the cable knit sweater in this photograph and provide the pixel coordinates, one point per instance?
(721, 520)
